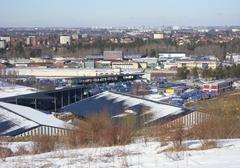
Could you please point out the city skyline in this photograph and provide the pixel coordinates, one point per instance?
(107, 13)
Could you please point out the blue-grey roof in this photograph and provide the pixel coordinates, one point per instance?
(117, 104)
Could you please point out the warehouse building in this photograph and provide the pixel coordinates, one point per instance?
(129, 65)
(16, 120)
(151, 62)
(171, 56)
(197, 63)
(63, 72)
(113, 55)
(120, 105)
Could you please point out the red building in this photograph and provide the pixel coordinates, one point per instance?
(218, 86)
(32, 41)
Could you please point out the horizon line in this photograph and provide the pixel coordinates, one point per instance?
(125, 26)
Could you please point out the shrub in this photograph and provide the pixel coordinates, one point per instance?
(173, 132)
(208, 145)
(43, 144)
(101, 131)
(5, 152)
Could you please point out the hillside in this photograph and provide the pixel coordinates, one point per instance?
(136, 155)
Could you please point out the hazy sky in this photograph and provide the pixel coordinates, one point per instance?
(77, 13)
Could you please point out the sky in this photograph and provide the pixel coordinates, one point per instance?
(106, 13)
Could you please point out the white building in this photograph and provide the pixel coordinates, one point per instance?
(65, 40)
(158, 36)
(233, 58)
(169, 65)
(168, 60)
(151, 62)
(66, 72)
(171, 56)
(7, 39)
(75, 36)
(203, 30)
(2, 44)
(235, 30)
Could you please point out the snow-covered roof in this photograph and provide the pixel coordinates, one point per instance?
(116, 104)
(16, 119)
(8, 90)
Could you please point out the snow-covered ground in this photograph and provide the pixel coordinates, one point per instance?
(137, 155)
(14, 146)
(8, 90)
(157, 97)
(236, 84)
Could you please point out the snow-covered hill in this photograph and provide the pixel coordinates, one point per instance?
(137, 155)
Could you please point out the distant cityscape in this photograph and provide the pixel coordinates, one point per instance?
(162, 49)
(119, 96)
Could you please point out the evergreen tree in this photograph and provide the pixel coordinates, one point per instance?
(182, 73)
(194, 73)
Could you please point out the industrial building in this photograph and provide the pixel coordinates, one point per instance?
(151, 62)
(113, 55)
(168, 60)
(66, 72)
(119, 105)
(197, 62)
(218, 86)
(94, 57)
(103, 64)
(16, 120)
(89, 64)
(129, 65)
(171, 56)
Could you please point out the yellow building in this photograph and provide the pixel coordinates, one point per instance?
(38, 59)
(125, 65)
(170, 91)
(143, 65)
(201, 64)
(158, 36)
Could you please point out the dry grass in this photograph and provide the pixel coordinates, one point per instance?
(5, 152)
(43, 144)
(99, 130)
(208, 145)
(224, 120)
(21, 150)
(174, 133)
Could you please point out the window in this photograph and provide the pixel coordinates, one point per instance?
(205, 65)
(214, 87)
(206, 86)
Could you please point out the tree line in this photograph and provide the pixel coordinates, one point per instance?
(221, 72)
